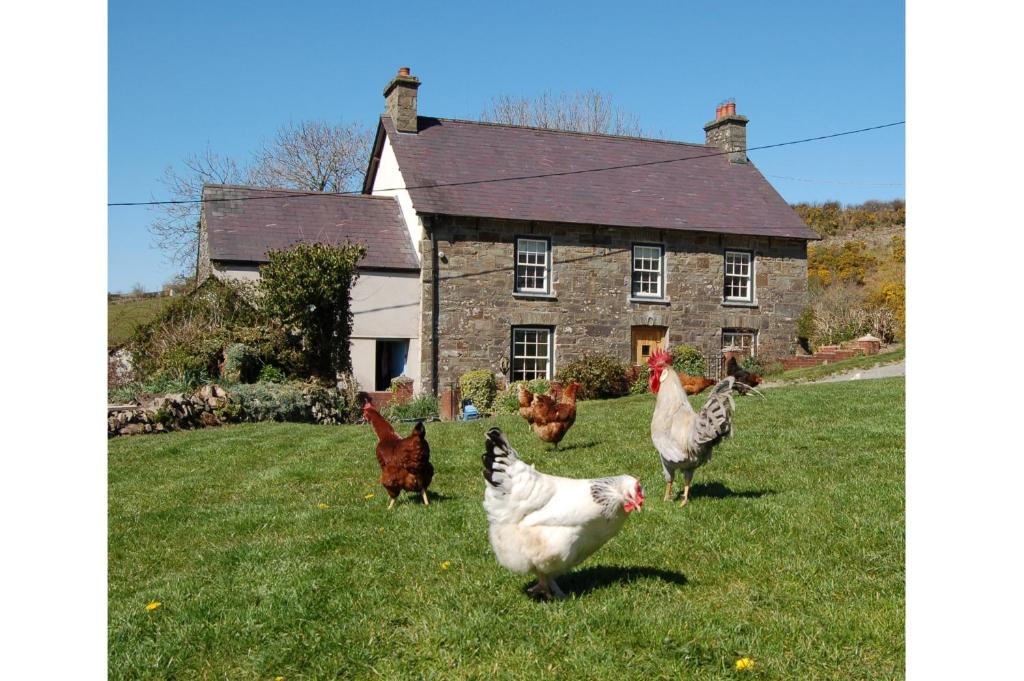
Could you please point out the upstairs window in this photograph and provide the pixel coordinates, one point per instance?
(533, 266)
(739, 276)
(648, 271)
(531, 353)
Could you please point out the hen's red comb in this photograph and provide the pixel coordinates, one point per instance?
(659, 359)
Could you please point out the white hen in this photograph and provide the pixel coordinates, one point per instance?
(546, 525)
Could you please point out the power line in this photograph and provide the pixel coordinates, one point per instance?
(845, 182)
(284, 193)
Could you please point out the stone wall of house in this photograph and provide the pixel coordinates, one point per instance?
(590, 306)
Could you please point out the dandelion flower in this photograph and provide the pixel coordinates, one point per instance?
(323, 505)
(153, 606)
(278, 678)
(445, 565)
(369, 496)
(744, 664)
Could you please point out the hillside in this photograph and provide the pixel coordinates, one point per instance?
(124, 316)
(856, 273)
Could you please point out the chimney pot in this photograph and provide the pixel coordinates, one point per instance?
(404, 71)
(718, 111)
(730, 109)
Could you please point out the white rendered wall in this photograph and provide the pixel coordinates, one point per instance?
(385, 306)
(389, 182)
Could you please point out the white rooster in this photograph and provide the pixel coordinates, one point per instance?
(545, 524)
(683, 437)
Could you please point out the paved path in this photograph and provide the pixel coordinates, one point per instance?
(884, 371)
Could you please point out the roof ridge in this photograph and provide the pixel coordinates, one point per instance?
(299, 192)
(602, 135)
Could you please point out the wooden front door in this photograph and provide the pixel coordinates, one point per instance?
(646, 339)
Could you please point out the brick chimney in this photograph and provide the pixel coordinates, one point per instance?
(728, 132)
(400, 100)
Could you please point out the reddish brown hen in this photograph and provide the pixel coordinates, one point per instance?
(551, 415)
(404, 462)
(694, 385)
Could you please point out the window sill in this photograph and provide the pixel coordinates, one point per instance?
(534, 296)
(655, 301)
(739, 303)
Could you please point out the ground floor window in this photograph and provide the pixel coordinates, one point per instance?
(531, 352)
(743, 339)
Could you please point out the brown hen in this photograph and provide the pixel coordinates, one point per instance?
(551, 415)
(404, 462)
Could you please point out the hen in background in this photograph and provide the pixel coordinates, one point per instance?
(551, 415)
(745, 380)
(404, 462)
(694, 385)
(546, 525)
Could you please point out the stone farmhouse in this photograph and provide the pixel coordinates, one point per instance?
(517, 249)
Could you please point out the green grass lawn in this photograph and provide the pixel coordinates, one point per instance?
(270, 557)
(842, 366)
(122, 318)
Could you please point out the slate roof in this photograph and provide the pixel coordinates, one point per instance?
(244, 230)
(704, 194)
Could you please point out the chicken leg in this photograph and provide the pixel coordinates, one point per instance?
(668, 491)
(426, 501)
(391, 503)
(687, 477)
(545, 589)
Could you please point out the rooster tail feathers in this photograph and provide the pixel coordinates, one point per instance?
(714, 421)
(724, 386)
(498, 455)
(362, 399)
(420, 430)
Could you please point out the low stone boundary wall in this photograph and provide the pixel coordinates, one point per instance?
(212, 405)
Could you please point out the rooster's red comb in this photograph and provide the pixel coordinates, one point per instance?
(659, 359)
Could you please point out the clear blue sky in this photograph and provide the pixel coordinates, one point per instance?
(186, 74)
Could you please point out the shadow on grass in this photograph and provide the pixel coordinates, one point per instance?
(569, 448)
(415, 498)
(582, 582)
(716, 490)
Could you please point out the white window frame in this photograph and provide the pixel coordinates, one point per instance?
(530, 253)
(633, 271)
(549, 359)
(732, 258)
(734, 334)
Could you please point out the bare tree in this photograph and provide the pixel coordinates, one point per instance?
(313, 156)
(308, 156)
(175, 228)
(584, 111)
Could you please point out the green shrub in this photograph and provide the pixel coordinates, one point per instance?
(688, 360)
(507, 402)
(639, 378)
(241, 364)
(420, 407)
(753, 365)
(348, 399)
(270, 374)
(272, 402)
(599, 375)
(307, 287)
(479, 386)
